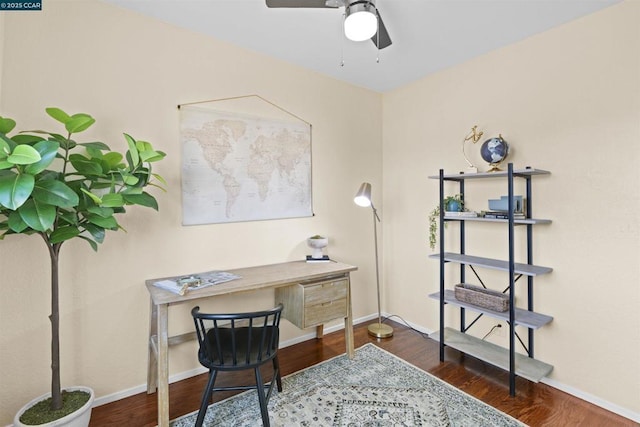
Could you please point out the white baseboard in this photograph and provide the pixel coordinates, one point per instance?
(612, 407)
(616, 409)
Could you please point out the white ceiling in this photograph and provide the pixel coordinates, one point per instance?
(427, 35)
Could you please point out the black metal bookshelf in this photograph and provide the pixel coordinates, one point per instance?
(515, 363)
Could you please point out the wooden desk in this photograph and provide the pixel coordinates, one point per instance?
(286, 277)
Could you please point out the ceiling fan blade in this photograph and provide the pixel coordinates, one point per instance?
(385, 40)
(298, 3)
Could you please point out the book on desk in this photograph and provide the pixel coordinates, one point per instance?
(325, 258)
(182, 285)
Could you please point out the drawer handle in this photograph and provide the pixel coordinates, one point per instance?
(327, 303)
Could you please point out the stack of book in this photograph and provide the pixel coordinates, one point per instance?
(502, 214)
(325, 258)
(463, 214)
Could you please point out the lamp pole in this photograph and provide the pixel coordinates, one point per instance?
(363, 198)
(378, 330)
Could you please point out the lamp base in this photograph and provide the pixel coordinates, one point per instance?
(380, 330)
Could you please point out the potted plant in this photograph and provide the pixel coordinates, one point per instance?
(451, 204)
(317, 243)
(59, 189)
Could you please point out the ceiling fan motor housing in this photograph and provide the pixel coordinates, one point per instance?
(361, 20)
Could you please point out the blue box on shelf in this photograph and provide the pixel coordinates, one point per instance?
(502, 204)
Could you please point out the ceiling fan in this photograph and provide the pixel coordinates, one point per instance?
(362, 19)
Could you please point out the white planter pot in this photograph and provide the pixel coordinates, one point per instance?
(80, 418)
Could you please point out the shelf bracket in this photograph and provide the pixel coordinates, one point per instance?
(522, 344)
(472, 323)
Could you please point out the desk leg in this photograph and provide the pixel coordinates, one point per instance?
(348, 326)
(319, 331)
(152, 360)
(163, 366)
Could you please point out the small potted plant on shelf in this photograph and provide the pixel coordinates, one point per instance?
(451, 204)
(59, 189)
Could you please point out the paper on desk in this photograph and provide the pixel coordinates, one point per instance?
(205, 279)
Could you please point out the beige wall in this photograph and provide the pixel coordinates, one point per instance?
(573, 90)
(131, 72)
(568, 101)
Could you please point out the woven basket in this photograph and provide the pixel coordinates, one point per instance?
(485, 298)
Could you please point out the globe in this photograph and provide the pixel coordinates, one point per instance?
(494, 151)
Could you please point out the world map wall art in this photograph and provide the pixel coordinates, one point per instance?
(239, 167)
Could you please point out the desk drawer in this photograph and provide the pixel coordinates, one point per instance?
(319, 293)
(321, 313)
(316, 303)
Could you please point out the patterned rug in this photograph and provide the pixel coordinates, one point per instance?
(375, 389)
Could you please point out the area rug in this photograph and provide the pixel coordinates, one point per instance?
(376, 388)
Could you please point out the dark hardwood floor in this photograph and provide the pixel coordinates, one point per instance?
(534, 404)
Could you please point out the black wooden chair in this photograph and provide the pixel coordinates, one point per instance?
(233, 342)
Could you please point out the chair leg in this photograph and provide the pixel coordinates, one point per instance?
(206, 397)
(276, 371)
(261, 398)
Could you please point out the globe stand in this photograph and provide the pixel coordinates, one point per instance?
(494, 167)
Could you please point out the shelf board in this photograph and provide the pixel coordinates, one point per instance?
(494, 264)
(525, 318)
(526, 367)
(533, 221)
(487, 175)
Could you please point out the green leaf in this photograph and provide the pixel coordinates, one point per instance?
(5, 148)
(143, 146)
(6, 144)
(39, 216)
(15, 189)
(94, 153)
(24, 155)
(96, 232)
(68, 217)
(96, 185)
(109, 223)
(151, 156)
(67, 144)
(93, 244)
(159, 178)
(132, 190)
(112, 200)
(133, 151)
(58, 114)
(130, 179)
(6, 125)
(47, 151)
(79, 122)
(85, 166)
(55, 193)
(97, 145)
(97, 200)
(16, 223)
(4, 164)
(27, 139)
(101, 211)
(63, 233)
(144, 199)
(113, 159)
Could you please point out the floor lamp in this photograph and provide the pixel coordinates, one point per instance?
(363, 198)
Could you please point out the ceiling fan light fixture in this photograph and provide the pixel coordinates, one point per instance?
(361, 21)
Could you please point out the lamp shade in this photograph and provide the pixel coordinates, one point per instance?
(361, 21)
(363, 196)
